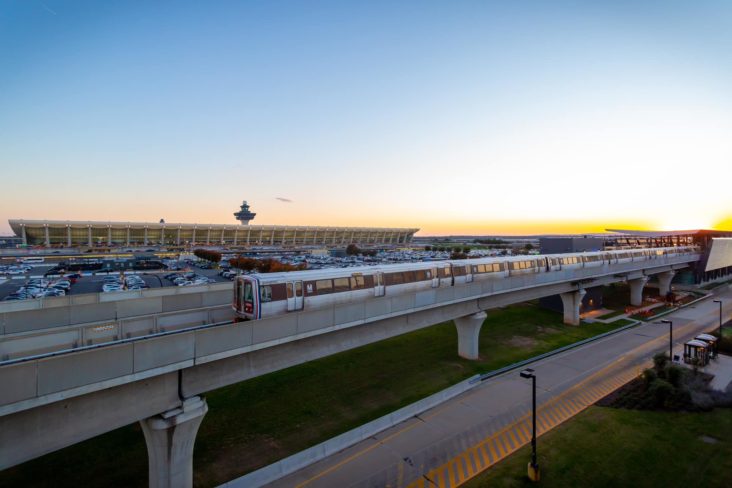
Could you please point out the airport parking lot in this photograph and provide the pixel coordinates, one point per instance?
(94, 284)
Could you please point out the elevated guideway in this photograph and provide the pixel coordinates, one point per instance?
(51, 401)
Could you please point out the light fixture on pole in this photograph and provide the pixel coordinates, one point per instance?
(720, 318)
(533, 469)
(670, 338)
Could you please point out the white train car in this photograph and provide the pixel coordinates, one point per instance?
(264, 295)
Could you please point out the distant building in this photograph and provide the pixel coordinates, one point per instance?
(10, 241)
(560, 245)
(87, 233)
(244, 215)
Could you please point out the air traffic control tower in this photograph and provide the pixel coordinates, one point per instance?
(244, 215)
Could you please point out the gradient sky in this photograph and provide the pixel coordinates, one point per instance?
(455, 117)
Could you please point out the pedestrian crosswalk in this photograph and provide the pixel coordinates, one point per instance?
(504, 441)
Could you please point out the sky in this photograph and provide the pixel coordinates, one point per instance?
(466, 117)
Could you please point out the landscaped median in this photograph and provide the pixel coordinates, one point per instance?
(257, 422)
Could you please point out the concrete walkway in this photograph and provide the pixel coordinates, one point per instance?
(453, 442)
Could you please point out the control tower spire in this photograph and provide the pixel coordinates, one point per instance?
(244, 215)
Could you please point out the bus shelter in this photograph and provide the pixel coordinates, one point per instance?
(713, 343)
(696, 352)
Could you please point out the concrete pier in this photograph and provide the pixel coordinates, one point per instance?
(468, 329)
(636, 290)
(170, 437)
(664, 282)
(572, 301)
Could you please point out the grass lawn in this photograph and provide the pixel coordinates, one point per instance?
(608, 447)
(254, 423)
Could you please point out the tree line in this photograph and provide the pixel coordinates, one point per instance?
(268, 265)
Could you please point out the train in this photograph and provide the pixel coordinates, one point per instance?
(260, 295)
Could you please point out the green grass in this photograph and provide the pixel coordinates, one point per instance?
(611, 315)
(256, 422)
(607, 447)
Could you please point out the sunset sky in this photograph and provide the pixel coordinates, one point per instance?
(456, 117)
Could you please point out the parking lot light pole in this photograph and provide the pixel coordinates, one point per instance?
(720, 318)
(670, 338)
(533, 469)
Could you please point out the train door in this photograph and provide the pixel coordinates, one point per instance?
(435, 278)
(379, 284)
(294, 296)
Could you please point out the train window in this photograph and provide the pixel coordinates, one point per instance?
(341, 284)
(459, 270)
(289, 290)
(323, 287)
(248, 292)
(266, 293)
(368, 281)
(444, 272)
(393, 279)
(357, 282)
(409, 276)
(420, 275)
(309, 289)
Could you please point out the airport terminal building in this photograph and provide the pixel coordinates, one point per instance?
(67, 233)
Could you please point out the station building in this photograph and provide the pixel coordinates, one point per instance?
(67, 233)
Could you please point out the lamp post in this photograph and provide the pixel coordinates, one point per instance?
(533, 469)
(720, 318)
(670, 338)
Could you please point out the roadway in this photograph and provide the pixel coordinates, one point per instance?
(455, 441)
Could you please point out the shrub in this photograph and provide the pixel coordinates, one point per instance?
(659, 363)
(660, 391)
(649, 376)
(674, 375)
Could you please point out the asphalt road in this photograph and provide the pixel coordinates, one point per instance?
(453, 442)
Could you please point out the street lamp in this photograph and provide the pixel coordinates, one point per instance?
(720, 318)
(670, 338)
(533, 469)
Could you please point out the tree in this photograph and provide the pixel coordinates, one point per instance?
(529, 246)
(458, 255)
(427, 248)
(466, 249)
(353, 250)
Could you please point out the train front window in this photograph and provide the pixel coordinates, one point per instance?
(248, 292)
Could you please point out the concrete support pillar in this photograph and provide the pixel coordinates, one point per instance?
(68, 236)
(89, 236)
(170, 437)
(271, 240)
(664, 282)
(572, 301)
(468, 329)
(128, 236)
(145, 237)
(236, 235)
(208, 236)
(23, 235)
(636, 290)
(223, 235)
(177, 237)
(193, 237)
(109, 236)
(46, 236)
